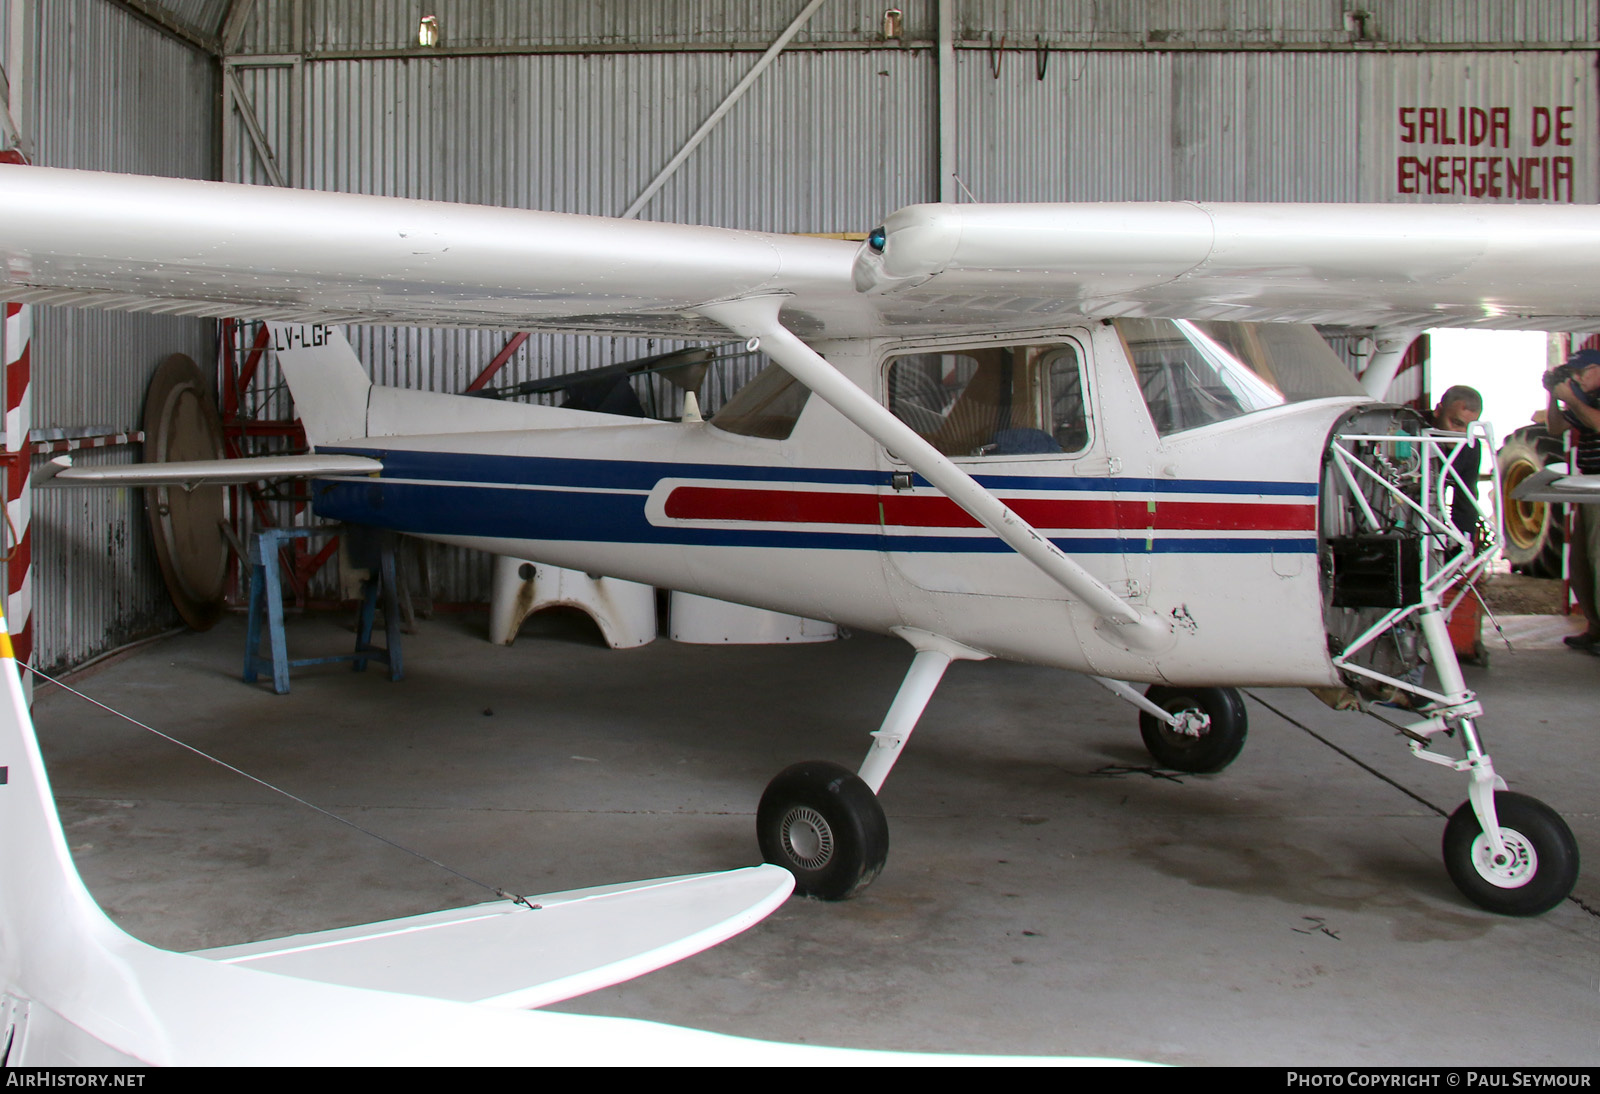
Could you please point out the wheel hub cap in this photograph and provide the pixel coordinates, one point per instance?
(807, 838)
(1520, 864)
(1191, 723)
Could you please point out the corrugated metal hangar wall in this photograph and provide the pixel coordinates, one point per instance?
(576, 105)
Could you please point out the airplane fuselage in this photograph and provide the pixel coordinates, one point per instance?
(1214, 529)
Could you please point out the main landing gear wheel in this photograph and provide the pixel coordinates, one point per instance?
(1541, 866)
(820, 822)
(1210, 734)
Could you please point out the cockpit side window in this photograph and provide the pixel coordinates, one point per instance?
(767, 406)
(993, 401)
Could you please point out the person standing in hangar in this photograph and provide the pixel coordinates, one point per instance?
(1574, 411)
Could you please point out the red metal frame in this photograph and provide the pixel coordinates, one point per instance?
(242, 436)
(499, 361)
(240, 367)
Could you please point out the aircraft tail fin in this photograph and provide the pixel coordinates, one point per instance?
(331, 388)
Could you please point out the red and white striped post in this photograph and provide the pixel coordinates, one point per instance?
(19, 495)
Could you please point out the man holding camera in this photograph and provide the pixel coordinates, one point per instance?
(1575, 408)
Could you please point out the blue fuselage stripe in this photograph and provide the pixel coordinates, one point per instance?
(452, 505)
(644, 474)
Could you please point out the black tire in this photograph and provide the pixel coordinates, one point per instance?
(1216, 747)
(820, 822)
(1544, 867)
(1531, 532)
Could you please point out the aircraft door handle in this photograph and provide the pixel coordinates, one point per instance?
(1110, 465)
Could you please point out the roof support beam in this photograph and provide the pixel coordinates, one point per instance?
(726, 105)
(233, 24)
(148, 11)
(252, 126)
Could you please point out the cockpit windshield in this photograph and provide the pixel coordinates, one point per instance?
(1195, 373)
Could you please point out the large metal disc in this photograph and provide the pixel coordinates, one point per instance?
(181, 423)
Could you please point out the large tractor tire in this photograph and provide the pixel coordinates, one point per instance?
(1532, 532)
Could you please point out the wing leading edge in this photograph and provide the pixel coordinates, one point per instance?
(1400, 266)
(508, 955)
(216, 249)
(134, 242)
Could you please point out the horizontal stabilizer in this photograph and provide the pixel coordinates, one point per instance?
(504, 954)
(1557, 486)
(192, 473)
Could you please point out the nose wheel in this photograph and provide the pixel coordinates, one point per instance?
(823, 824)
(1536, 870)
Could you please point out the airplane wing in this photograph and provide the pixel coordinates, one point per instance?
(1558, 486)
(216, 249)
(507, 955)
(1505, 266)
(213, 249)
(192, 473)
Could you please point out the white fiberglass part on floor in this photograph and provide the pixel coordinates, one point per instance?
(75, 990)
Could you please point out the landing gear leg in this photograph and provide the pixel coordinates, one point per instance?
(1507, 853)
(822, 822)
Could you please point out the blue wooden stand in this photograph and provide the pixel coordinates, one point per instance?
(266, 599)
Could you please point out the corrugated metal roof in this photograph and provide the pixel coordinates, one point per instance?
(1272, 22)
(1508, 22)
(337, 25)
(203, 17)
(1159, 21)
(467, 24)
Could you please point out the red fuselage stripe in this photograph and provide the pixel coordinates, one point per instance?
(902, 511)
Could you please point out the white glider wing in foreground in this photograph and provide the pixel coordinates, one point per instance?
(75, 990)
(505, 954)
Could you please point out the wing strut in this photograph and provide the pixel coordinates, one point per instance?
(757, 317)
(1392, 344)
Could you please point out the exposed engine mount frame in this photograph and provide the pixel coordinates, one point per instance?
(1412, 474)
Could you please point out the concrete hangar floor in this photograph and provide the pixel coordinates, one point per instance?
(1043, 895)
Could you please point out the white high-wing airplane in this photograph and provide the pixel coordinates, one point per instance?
(1099, 437)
